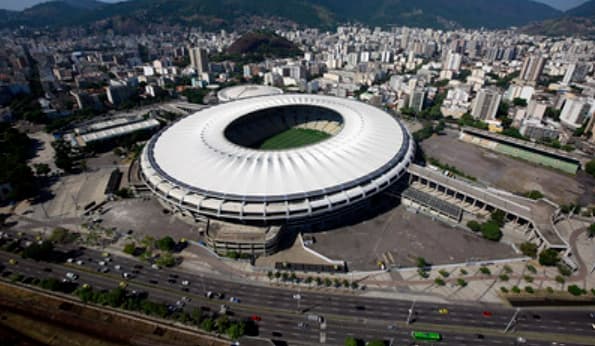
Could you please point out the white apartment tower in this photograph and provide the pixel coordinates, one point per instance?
(199, 60)
(485, 105)
(532, 68)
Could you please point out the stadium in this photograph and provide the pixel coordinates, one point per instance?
(276, 159)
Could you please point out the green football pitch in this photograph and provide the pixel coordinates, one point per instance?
(293, 138)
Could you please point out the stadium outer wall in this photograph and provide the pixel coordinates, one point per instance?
(299, 210)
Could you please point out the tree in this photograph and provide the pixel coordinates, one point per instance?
(519, 102)
(351, 341)
(439, 282)
(485, 270)
(235, 330)
(41, 169)
(491, 231)
(221, 323)
(207, 324)
(529, 249)
(549, 257)
(499, 217)
(165, 244)
(63, 157)
(421, 262)
(129, 248)
(440, 127)
(590, 167)
(534, 194)
(591, 230)
(166, 260)
(85, 294)
(474, 226)
(196, 315)
(61, 235)
(575, 290)
(376, 343)
(39, 252)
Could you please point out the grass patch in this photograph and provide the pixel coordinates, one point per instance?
(293, 138)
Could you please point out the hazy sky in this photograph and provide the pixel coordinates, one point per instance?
(21, 4)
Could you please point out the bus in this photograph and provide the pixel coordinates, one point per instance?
(431, 336)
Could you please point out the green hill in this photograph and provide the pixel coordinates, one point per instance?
(211, 14)
(263, 43)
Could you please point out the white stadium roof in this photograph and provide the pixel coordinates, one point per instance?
(245, 91)
(195, 164)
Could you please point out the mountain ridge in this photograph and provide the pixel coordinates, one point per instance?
(585, 10)
(443, 14)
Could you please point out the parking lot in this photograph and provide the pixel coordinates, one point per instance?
(399, 236)
(507, 173)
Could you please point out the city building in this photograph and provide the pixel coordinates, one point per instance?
(452, 62)
(118, 93)
(576, 72)
(199, 60)
(576, 112)
(532, 68)
(535, 129)
(485, 105)
(536, 109)
(416, 102)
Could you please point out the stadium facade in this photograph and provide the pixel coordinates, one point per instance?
(209, 163)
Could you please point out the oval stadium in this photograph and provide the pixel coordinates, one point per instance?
(276, 159)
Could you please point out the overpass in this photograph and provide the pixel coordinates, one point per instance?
(535, 218)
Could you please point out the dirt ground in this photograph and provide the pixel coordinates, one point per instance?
(399, 236)
(510, 174)
(146, 217)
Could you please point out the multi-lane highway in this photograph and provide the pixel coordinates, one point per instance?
(285, 318)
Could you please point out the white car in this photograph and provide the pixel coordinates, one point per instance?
(297, 296)
(79, 262)
(126, 275)
(72, 276)
(101, 263)
(155, 266)
(70, 260)
(117, 267)
(185, 282)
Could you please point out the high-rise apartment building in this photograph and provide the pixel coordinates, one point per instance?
(416, 102)
(199, 59)
(576, 72)
(485, 105)
(532, 68)
(452, 62)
